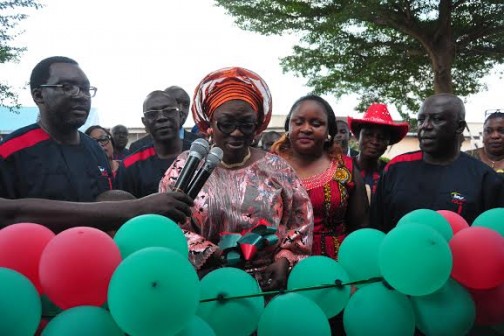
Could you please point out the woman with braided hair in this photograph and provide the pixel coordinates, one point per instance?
(335, 188)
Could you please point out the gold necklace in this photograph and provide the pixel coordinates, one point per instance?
(239, 164)
(492, 161)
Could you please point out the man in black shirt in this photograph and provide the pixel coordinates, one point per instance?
(439, 176)
(120, 135)
(52, 159)
(51, 174)
(141, 172)
(184, 102)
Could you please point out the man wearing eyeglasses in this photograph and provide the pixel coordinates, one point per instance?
(141, 172)
(51, 159)
(184, 102)
(47, 164)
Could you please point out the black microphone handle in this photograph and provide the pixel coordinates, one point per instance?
(196, 175)
(199, 181)
(186, 174)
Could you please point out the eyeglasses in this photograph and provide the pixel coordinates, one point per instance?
(166, 112)
(228, 127)
(103, 140)
(73, 90)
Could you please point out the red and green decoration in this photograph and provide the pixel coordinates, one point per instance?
(238, 248)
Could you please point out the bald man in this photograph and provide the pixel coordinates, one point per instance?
(184, 102)
(141, 172)
(439, 176)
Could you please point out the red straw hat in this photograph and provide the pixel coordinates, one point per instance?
(378, 115)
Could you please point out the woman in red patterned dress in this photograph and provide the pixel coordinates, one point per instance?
(335, 188)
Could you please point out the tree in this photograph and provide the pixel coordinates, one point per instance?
(398, 51)
(9, 19)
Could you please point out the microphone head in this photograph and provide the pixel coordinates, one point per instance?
(199, 148)
(214, 157)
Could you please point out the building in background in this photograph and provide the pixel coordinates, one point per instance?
(10, 121)
(24, 116)
(473, 136)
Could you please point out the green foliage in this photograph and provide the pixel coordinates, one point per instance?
(397, 51)
(10, 16)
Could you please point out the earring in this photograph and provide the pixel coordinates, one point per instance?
(209, 134)
(329, 137)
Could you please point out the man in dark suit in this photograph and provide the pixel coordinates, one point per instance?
(184, 102)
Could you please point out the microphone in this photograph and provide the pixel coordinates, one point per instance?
(199, 148)
(212, 160)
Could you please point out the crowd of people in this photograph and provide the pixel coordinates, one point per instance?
(307, 184)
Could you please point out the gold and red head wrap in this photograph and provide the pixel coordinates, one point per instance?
(228, 84)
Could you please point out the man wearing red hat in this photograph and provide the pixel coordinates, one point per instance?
(375, 132)
(439, 176)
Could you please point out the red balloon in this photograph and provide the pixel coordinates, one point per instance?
(489, 305)
(42, 325)
(478, 257)
(456, 221)
(76, 267)
(21, 246)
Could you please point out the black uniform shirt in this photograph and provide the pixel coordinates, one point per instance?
(466, 186)
(33, 165)
(140, 172)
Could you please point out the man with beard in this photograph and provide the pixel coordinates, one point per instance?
(141, 172)
(439, 176)
(51, 174)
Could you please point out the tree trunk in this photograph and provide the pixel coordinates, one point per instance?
(443, 49)
(442, 58)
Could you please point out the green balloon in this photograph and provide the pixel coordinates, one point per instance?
(230, 317)
(293, 314)
(379, 311)
(358, 254)
(150, 231)
(196, 327)
(492, 219)
(415, 259)
(316, 271)
(448, 311)
(20, 307)
(430, 218)
(83, 321)
(154, 291)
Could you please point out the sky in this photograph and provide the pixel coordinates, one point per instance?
(130, 48)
